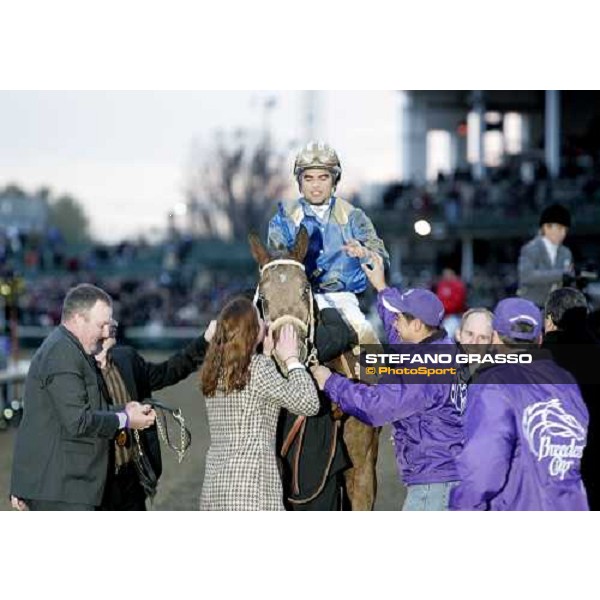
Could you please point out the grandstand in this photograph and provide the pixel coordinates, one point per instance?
(477, 169)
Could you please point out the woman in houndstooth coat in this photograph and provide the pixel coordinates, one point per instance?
(244, 393)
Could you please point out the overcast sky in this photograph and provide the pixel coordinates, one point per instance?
(124, 154)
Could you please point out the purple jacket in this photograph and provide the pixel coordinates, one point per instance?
(426, 424)
(523, 442)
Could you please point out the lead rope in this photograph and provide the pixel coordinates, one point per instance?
(184, 436)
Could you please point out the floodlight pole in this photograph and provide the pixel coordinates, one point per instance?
(552, 127)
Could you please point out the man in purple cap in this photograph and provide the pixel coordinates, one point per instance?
(426, 422)
(525, 426)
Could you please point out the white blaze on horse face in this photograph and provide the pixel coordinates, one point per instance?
(282, 277)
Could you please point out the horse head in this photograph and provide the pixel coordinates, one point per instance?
(284, 292)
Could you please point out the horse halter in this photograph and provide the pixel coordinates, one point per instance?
(308, 328)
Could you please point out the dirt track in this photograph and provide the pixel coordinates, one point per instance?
(180, 485)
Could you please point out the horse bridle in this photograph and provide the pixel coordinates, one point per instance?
(298, 428)
(308, 328)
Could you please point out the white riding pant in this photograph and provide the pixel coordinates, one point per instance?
(347, 304)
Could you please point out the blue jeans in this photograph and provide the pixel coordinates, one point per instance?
(428, 496)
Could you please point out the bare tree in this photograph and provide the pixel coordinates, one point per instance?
(234, 185)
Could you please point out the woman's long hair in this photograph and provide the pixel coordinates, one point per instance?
(227, 361)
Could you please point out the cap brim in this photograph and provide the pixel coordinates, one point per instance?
(389, 307)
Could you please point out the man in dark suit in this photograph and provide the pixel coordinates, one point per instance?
(127, 376)
(62, 446)
(544, 261)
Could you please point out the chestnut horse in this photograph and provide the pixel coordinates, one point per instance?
(285, 296)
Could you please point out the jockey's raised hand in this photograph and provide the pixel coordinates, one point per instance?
(355, 249)
(287, 344)
(375, 273)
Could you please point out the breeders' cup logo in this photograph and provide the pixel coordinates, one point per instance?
(458, 396)
(553, 433)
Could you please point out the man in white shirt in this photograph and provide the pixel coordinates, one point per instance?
(544, 261)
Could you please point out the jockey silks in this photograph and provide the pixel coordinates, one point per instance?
(328, 267)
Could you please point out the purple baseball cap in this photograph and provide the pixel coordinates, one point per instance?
(418, 302)
(510, 312)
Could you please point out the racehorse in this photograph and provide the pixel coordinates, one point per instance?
(285, 296)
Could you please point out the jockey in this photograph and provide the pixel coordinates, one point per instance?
(341, 236)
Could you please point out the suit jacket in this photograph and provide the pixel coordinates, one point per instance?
(141, 378)
(62, 445)
(537, 275)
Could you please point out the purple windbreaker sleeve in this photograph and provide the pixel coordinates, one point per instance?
(387, 316)
(374, 404)
(490, 438)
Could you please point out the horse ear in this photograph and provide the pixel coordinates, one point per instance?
(300, 245)
(259, 252)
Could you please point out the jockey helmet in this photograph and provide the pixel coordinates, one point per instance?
(318, 155)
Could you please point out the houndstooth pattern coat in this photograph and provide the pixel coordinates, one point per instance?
(241, 469)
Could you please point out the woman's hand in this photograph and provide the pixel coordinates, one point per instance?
(268, 343)
(287, 344)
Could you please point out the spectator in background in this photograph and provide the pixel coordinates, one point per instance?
(452, 206)
(475, 328)
(453, 294)
(576, 350)
(544, 261)
(474, 336)
(474, 333)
